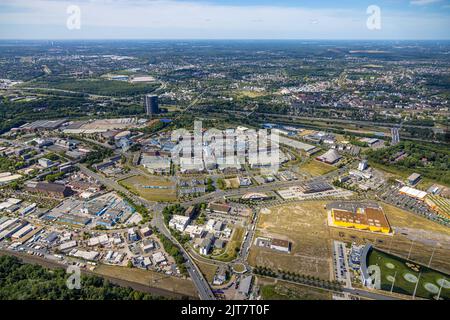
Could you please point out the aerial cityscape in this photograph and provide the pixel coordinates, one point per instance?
(204, 168)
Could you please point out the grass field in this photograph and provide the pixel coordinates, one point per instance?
(231, 183)
(304, 224)
(149, 278)
(390, 170)
(250, 94)
(172, 108)
(239, 267)
(306, 132)
(152, 188)
(424, 183)
(408, 276)
(230, 252)
(272, 289)
(208, 270)
(316, 168)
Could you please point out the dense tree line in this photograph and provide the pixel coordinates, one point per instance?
(96, 86)
(20, 281)
(297, 277)
(155, 127)
(97, 155)
(433, 161)
(174, 251)
(139, 208)
(169, 211)
(15, 114)
(72, 106)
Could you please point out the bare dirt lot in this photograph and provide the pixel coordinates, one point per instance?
(153, 279)
(208, 270)
(304, 224)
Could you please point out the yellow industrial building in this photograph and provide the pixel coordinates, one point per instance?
(361, 218)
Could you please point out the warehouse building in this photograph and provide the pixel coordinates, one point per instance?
(22, 232)
(361, 216)
(414, 178)
(280, 245)
(49, 189)
(215, 207)
(330, 157)
(414, 193)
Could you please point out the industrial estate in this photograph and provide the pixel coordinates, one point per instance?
(290, 170)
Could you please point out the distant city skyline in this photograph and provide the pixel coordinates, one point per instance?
(223, 19)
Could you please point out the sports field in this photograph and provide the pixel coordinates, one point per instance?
(152, 188)
(406, 276)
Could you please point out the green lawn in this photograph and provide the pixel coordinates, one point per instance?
(316, 168)
(152, 188)
(429, 281)
(232, 247)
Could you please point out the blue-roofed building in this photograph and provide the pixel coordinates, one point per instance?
(269, 125)
(168, 146)
(51, 237)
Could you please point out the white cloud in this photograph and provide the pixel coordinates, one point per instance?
(423, 2)
(189, 19)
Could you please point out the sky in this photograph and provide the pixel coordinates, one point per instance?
(225, 19)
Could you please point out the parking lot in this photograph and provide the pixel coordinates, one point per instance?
(341, 268)
(393, 196)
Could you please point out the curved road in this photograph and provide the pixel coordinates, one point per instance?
(203, 288)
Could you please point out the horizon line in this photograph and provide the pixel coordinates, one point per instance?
(219, 39)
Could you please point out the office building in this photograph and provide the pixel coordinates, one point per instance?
(151, 104)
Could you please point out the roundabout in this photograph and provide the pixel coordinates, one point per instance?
(239, 268)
